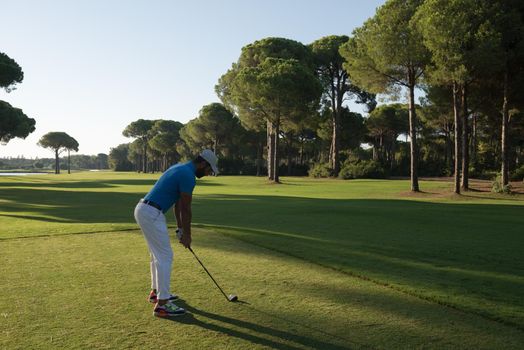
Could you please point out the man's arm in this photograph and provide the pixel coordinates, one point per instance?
(176, 210)
(185, 215)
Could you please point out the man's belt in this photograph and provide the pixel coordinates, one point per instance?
(151, 203)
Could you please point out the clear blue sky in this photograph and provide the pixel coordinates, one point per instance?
(93, 66)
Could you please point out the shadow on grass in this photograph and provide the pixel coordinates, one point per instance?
(65, 184)
(508, 197)
(73, 184)
(489, 287)
(458, 250)
(248, 328)
(37, 218)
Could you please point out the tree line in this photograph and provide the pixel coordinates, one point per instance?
(75, 162)
(13, 121)
(15, 124)
(284, 104)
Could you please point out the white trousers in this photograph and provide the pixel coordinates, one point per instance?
(152, 222)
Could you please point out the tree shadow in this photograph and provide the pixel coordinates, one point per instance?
(459, 249)
(49, 205)
(60, 184)
(88, 183)
(263, 332)
(508, 197)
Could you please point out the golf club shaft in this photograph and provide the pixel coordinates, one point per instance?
(209, 274)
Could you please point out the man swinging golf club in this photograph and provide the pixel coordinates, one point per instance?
(174, 187)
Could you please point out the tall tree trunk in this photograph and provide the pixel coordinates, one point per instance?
(449, 150)
(334, 133)
(289, 157)
(392, 157)
(144, 157)
(338, 92)
(330, 156)
(474, 139)
(382, 154)
(504, 134)
(457, 136)
(270, 154)
(259, 157)
(335, 160)
(276, 130)
(301, 152)
(465, 140)
(413, 134)
(68, 161)
(57, 162)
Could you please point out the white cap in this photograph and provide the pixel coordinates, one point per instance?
(211, 158)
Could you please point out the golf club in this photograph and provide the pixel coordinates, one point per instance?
(231, 297)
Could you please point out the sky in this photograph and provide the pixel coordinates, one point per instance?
(91, 67)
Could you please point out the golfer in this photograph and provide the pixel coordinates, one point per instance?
(174, 187)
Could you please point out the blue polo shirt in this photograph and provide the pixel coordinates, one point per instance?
(175, 180)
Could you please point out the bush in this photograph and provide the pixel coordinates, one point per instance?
(366, 169)
(431, 168)
(247, 169)
(474, 172)
(355, 155)
(488, 175)
(296, 170)
(499, 188)
(233, 166)
(320, 170)
(230, 166)
(517, 174)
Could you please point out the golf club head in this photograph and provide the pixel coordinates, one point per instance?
(232, 297)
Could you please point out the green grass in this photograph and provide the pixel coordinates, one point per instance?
(322, 263)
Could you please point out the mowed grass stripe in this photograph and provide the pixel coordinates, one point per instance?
(89, 291)
(481, 304)
(460, 251)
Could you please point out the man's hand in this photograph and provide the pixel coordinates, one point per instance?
(179, 233)
(185, 240)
